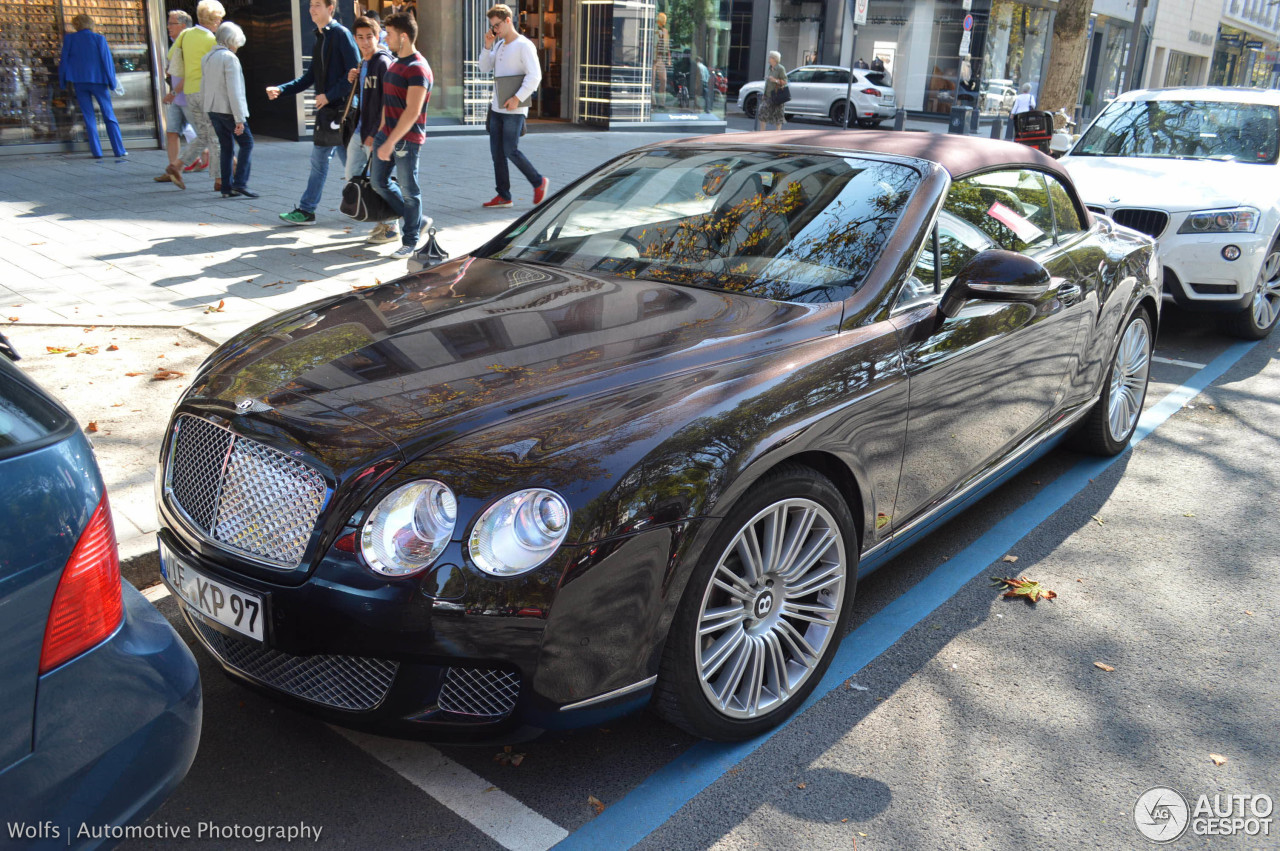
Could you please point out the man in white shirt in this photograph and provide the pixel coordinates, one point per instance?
(507, 53)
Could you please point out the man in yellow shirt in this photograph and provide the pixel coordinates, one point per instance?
(192, 45)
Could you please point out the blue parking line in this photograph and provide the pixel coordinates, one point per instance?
(663, 793)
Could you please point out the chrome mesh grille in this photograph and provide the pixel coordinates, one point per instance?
(484, 692)
(243, 494)
(344, 682)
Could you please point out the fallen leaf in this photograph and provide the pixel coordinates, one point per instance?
(1249, 613)
(92, 427)
(160, 356)
(1099, 519)
(1010, 559)
(1189, 514)
(799, 785)
(1079, 580)
(596, 804)
(118, 405)
(72, 354)
(1218, 759)
(1024, 587)
(56, 350)
(89, 350)
(1212, 408)
(492, 789)
(219, 309)
(113, 348)
(1103, 666)
(13, 319)
(133, 374)
(163, 374)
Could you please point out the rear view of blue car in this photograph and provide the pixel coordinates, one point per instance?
(100, 702)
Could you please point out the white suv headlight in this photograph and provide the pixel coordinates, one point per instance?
(519, 532)
(1235, 220)
(409, 528)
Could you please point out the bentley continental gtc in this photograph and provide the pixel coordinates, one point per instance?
(636, 449)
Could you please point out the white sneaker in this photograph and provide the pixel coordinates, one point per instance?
(403, 252)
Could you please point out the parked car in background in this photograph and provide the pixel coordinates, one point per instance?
(997, 96)
(100, 701)
(1197, 169)
(668, 416)
(821, 91)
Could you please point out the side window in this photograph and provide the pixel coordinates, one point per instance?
(832, 75)
(958, 243)
(1011, 207)
(1065, 212)
(800, 75)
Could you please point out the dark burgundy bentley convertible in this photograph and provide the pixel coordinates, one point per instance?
(637, 448)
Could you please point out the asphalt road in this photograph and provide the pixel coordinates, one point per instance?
(986, 724)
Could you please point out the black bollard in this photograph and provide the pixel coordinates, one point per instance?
(900, 119)
(997, 128)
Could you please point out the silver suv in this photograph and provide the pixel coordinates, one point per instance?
(820, 90)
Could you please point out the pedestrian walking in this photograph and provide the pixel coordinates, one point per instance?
(406, 90)
(174, 121)
(369, 77)
(332, 57)
(1024, 102)
(775, 79)
(512, 59)
(88, 67)
(190, 48)
(228, 109)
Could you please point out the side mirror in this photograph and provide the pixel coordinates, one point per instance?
(996, 275)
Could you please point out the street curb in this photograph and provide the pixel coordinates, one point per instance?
(141, 569)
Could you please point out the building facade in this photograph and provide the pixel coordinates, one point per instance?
(612, 63)
(1247, 49)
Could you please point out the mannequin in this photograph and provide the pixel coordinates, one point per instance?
(661, 60)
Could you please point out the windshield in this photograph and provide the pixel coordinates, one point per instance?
(779, 225)
(1184, 129)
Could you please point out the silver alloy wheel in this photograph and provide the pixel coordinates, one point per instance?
(1266, 298)
(771, 608)
(1129, 380)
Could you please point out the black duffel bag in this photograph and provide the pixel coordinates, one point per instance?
(361, 201)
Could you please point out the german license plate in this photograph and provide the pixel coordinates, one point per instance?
(238, 610)
(887, 100)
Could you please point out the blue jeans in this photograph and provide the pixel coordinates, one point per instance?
(319, 171)
(504, 144)
(406, 198)
(224, 124)
(86, 93)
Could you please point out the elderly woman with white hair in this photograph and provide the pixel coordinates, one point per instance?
(224, 100)
(775, 79)
(188, 53)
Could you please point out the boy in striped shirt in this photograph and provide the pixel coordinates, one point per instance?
(406, 89)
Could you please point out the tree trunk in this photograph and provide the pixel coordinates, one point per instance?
(1061, 86)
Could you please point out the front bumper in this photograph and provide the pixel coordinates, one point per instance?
(1197, 276)
(451, 654)
(116, 730)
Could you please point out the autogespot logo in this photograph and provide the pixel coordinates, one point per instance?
(1161, 814)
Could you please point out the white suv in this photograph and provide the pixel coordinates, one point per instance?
(1197, 169)
(820, 90)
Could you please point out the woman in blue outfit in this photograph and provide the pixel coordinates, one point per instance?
(87, 64)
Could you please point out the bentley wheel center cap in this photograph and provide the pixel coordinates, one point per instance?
(764, 605)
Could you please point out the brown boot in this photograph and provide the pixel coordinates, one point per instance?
(217, 184)
(175, 176)
(164, 178)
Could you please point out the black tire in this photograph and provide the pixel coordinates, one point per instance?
(751, 104)
(755, 642)
(867, 123)
(1263, 311)
(837, 112)
(1106, 431)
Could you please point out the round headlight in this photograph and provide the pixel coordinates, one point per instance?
(1224, 221)
(1200, 221)
(410, 528)
(519, 532)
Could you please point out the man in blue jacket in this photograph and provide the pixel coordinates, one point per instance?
(333, 56)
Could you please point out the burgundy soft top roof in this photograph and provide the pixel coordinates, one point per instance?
(959, 155)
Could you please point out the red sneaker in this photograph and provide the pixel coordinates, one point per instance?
(541, 191)
(498, 201)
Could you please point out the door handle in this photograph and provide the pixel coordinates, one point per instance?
(1070, 294)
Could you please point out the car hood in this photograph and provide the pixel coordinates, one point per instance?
(463, 345)
(1172, 185)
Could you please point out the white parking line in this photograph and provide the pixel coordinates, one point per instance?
(1176, 362)
(504, 819)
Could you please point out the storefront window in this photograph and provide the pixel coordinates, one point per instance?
(33, 108)
(662, 61)
(1017, 42)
